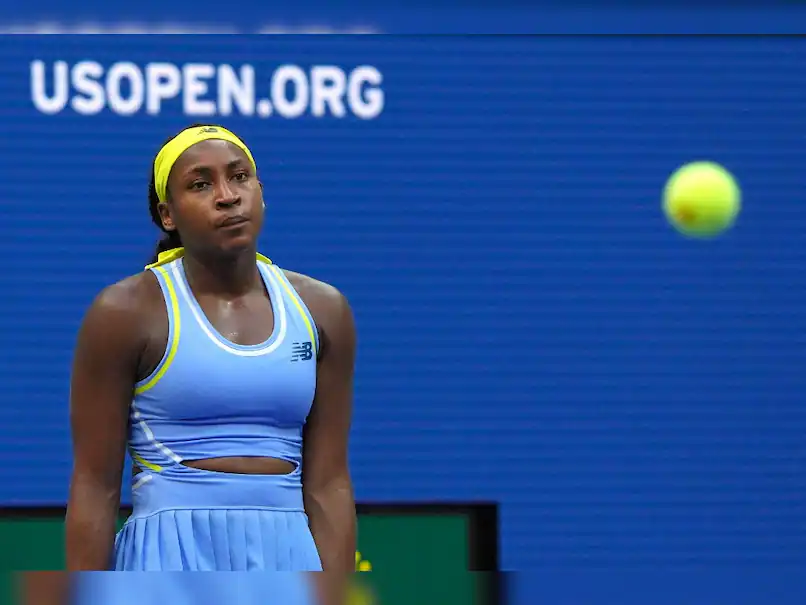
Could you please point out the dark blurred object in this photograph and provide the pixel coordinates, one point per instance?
(439, 17)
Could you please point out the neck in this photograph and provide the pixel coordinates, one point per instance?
(229, 276)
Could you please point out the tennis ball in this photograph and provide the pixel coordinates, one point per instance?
(701, 199)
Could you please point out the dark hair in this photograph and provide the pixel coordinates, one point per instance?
(171, 239)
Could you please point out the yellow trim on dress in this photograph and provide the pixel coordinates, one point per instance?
(295, 298)
(141, 462)
(175, 253)
(174, 344)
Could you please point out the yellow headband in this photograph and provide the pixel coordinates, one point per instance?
(171, 151)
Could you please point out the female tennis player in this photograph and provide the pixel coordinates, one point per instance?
(230, 381)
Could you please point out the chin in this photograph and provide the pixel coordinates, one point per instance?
(233, 246)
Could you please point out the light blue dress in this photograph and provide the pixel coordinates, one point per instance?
(211, 398)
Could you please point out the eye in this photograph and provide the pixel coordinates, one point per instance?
(240, 176)
(198, 185)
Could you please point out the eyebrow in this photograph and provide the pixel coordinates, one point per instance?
(206, 170)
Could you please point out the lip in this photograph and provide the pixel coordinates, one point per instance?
(231, 221)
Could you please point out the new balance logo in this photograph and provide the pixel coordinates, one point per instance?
(301, 351)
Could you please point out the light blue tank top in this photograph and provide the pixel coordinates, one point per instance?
(210, 398)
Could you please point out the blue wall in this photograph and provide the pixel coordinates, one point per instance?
(531, 331)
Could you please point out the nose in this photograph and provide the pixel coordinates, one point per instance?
(226, 196)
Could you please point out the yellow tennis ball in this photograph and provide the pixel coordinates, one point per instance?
(702, 199)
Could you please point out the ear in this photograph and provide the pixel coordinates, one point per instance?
(165, 215)
(261, 194)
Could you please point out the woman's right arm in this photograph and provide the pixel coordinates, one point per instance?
(108, 348)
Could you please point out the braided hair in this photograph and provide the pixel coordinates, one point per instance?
(170, 239)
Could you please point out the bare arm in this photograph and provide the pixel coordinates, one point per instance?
(327, 487)
(103, 377)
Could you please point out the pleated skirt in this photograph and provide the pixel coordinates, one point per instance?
(188, 519)
(220, 539)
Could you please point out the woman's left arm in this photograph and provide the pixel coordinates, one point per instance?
(327, 487)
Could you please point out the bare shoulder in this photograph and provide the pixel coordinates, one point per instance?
(128, 297)
(123, 308)
(320, 297)
(330, 310)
